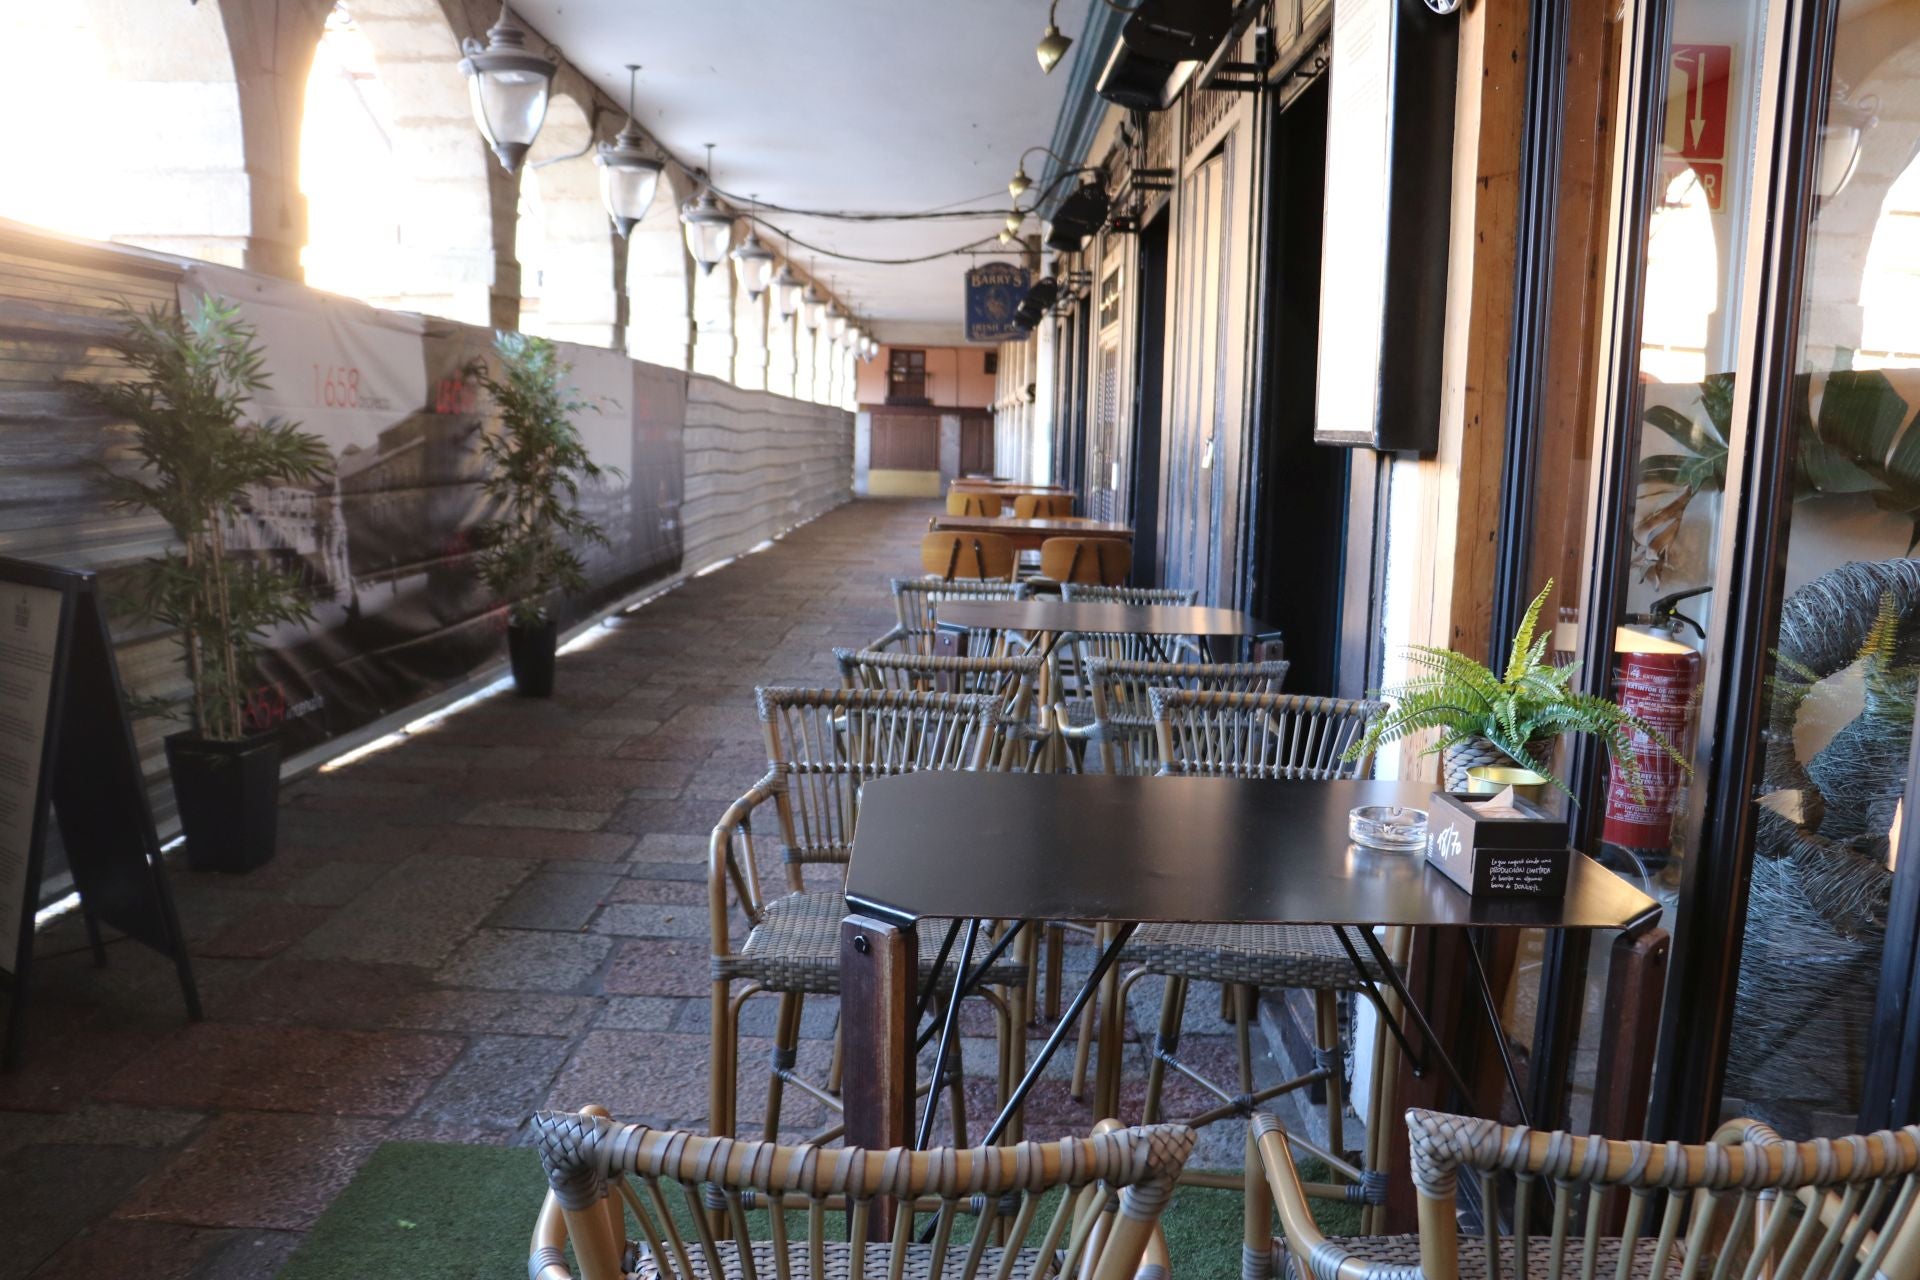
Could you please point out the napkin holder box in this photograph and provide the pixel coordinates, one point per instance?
(1525, 857)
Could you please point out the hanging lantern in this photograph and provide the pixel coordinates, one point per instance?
(814, 308)
(508, 85)
(709, 227)
(628, 175)
(1021, 183)
(753, 261)
(786, 291)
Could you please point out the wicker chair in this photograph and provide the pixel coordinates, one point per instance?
(915, 601)
(823, 745)
(603, 1177)
(1093, 593)
(1011, 682)
(1118, 716)
(1248, 735)
(1747, 1204)
(951, 556)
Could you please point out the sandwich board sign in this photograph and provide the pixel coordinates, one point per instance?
(67, 753)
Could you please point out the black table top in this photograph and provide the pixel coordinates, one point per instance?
(1215, 850)
(1086, 616)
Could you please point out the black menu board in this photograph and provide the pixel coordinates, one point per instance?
(67, 752)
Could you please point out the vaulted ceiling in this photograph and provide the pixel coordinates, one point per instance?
(853, 105)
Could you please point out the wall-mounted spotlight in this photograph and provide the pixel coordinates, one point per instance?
(709, 228)
(628, 175)
(1053, 46)
(753, 261)
(508, 85)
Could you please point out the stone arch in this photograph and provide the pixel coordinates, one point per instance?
(564, 240)
(400, 200)
(660, 279)
(136, 108)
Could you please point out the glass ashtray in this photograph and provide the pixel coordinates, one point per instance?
(1392, 827)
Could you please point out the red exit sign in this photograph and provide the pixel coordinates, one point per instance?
(1698, 77)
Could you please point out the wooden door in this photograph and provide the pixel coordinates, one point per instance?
(1195, 426)
(976, 446)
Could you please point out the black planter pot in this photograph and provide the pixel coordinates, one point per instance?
(229, 799)
(531, 650)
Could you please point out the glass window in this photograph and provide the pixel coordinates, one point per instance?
(1840, 707)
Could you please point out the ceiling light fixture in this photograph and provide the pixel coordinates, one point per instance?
(508, 85)
(628, 175)
(753, 261)
(1053, 46)
(709, 227)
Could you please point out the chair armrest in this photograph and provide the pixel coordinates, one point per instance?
(547, 1254)
(891, 641)
(724, 868)
(1319, 1257)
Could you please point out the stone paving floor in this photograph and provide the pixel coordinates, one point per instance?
(503, 912)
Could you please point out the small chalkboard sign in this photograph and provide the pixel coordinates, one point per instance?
(67, 752)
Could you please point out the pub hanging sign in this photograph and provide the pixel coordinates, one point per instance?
(994, 291)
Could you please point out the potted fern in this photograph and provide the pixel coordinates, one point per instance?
(1515, 717)
(204, 461)
(536, 464)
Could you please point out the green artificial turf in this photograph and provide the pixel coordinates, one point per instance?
(434, 1211)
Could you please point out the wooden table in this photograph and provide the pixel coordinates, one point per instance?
(1027, 535)
(1004, 488)
(1121, 850)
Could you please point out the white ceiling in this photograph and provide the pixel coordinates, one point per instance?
(866, 105)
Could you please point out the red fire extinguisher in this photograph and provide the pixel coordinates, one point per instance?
(1658, 682)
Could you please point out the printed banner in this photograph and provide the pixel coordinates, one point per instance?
(385, 541)
(994, 290)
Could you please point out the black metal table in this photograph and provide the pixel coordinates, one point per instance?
(1222, 630)
(1124, 850)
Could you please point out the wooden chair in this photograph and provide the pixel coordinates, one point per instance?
(606, 1180)
(1011, 682)
(1747, 1204)
(973, 504)
(1248, 735)
(823, 745)
(916, 602)
(1104, 562)
(987, 556)
(1041, 506)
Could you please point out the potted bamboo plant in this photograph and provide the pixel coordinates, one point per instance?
(535, 467)
(1513, 718)
(204, 458)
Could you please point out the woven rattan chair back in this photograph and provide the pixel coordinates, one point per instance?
(917, 600)
(1123, 711)
(825, 744)
(1746, 1205)
(613, 1190)
(1094, 593)
(1041, 506)
(1010, 682)
(973, 504)
(1259, 735)
(952, 556)
(1103, 561)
